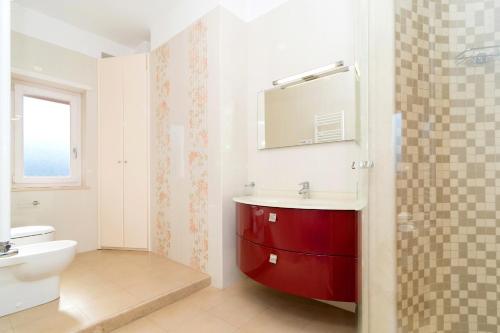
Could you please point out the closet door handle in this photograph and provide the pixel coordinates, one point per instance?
(119, 162)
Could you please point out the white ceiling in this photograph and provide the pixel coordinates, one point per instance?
(123, 21)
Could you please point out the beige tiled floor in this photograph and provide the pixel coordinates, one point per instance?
(245, 308)
(100, 284)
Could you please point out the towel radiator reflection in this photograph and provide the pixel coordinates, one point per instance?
(329, 127)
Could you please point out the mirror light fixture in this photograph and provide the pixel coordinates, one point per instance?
(337, 67)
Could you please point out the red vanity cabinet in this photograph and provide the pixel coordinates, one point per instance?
(306, 252)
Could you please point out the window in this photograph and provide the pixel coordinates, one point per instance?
(47, 137)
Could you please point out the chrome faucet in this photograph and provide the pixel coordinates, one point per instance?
(5, 246)
(6, 249)
(305, 191)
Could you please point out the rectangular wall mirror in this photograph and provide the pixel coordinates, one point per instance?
(316, 111)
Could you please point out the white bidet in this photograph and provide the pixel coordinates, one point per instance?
(31, 277)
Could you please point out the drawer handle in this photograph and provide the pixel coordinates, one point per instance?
(273, 258)
(272, 217)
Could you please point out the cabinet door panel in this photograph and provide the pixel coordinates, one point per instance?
(135, 151)
(331, 278)
(332, 232)
(111, 152)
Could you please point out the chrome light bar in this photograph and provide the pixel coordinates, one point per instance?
(314, 74)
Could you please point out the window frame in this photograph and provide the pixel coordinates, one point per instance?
(19, 180)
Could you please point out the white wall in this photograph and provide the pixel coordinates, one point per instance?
(57, 32)
(380, 255)
(233, 125)
(181, 16)
(188, 11)
(186, 147)
(271, 47)
(72, 212)
(5, 123)
(248, 10)
(286, 40)
(298, 36)
(172, 137)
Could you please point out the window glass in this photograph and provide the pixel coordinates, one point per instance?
(46, 138)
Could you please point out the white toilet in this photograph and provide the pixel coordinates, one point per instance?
(32, 234)
(31, 277)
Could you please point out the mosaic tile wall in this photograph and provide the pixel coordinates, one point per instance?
(448, 165)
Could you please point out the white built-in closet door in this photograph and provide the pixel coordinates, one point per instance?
(111, 152)
(135, 95)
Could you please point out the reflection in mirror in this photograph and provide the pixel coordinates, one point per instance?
(317, 111)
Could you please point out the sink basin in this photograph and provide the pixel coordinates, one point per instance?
(284, 202)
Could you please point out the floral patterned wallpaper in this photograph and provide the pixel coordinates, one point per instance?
(198, 143)
(162, 148)
(179, 90)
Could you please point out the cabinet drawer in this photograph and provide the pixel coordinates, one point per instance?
(301, 230)
(314, 276)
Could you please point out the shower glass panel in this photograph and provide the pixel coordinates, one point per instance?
(448, 172)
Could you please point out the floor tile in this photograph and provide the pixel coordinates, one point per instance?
(105, 307)
(5, 326)
(99, 285)
(140, 326)
(65, 321)
(277, 320)
(205, 323)
(237, 309)
(149, 288)
(207, 298)
(34, 314)
(175, 315)
(248, 307)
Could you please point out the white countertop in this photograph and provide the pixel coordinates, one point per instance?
(285, 202)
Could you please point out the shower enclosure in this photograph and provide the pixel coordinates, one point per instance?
(448, 165)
